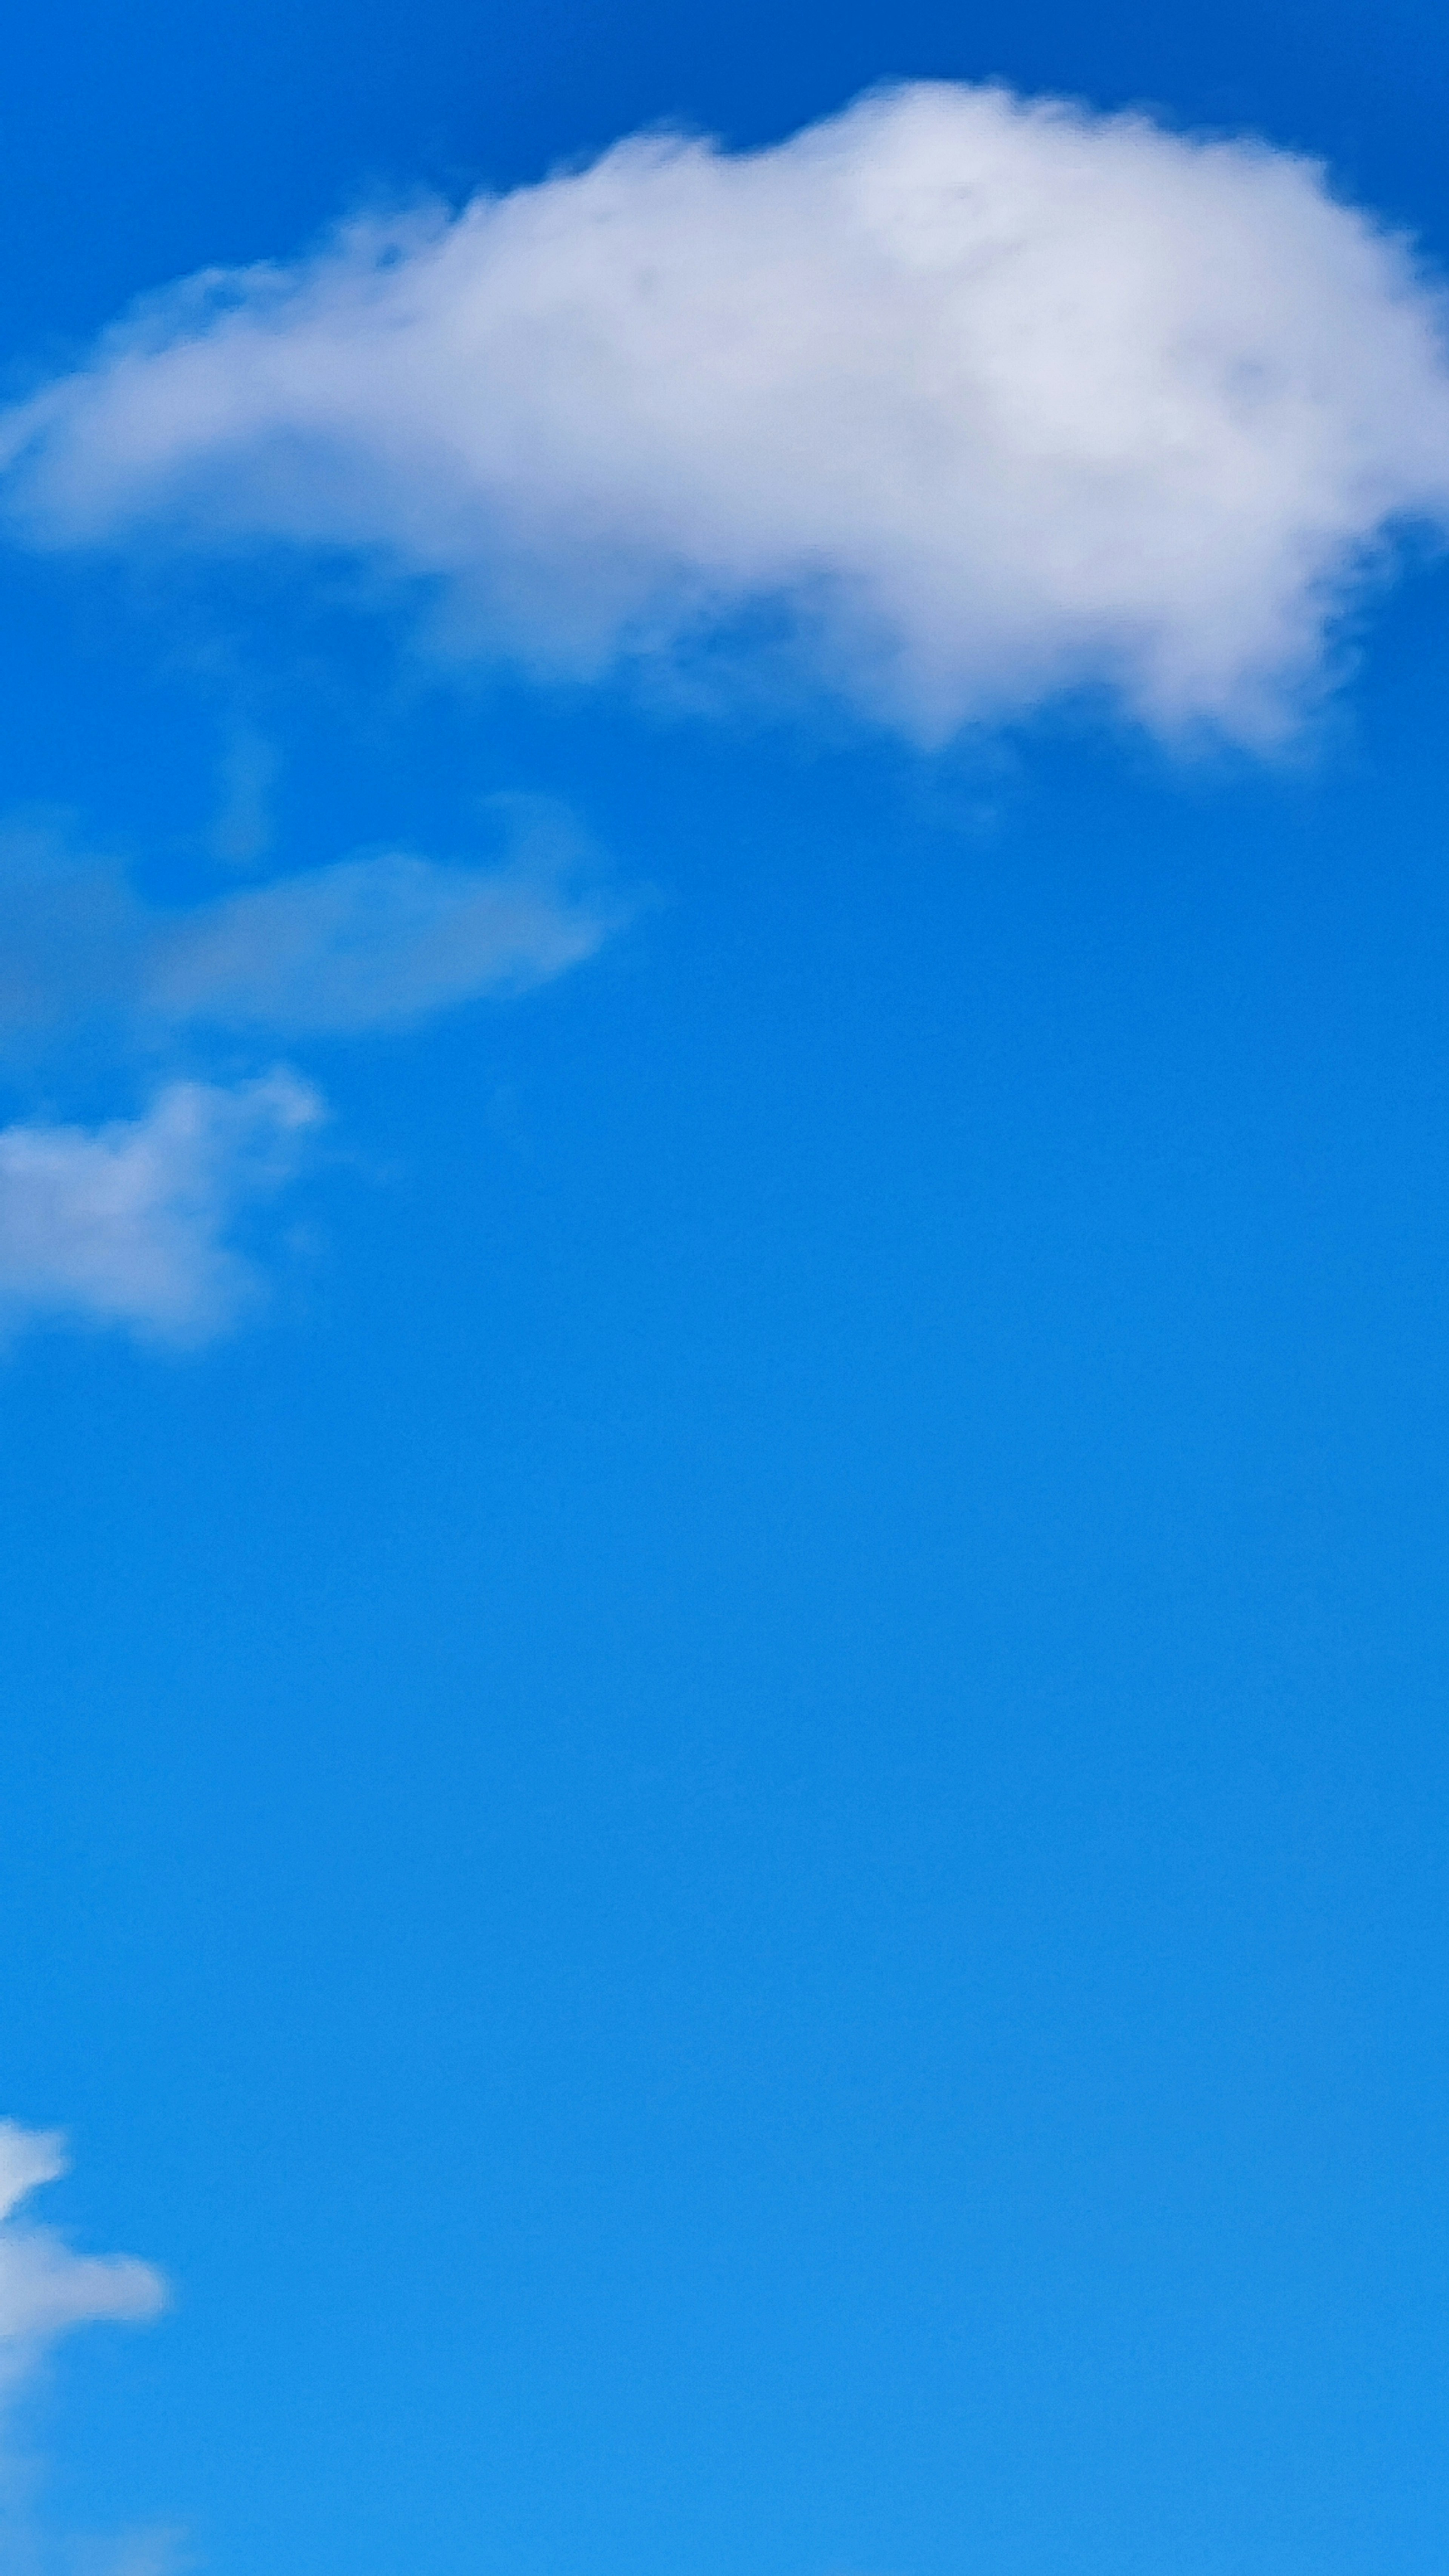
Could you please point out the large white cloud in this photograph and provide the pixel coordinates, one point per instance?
(130, 1223)
(975, 399)
(45, 2288)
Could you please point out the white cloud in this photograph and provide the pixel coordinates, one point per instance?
(128, 1223)
(978, 399)
(46, 2290)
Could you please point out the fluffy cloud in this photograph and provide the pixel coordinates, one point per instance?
(45, 2289)
(128, 1223)
(965, 400)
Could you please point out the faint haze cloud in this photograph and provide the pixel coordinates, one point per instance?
(382, 942)
(365, 944)
(242, 832)
(957, 401)
(165, 2552)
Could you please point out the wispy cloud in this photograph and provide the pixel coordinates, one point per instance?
(47, 2291)
(134, 1222)
(368, 943)
(978, 399)
(131, 1223)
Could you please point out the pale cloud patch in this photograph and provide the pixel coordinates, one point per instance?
(48, 2291)
(370, 943)
(163, 2552)
(366, 944)
(242, 831)
(971, 399)
(131, 1223)
(73, 935)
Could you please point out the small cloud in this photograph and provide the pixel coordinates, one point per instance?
(133, 1222)
(28, 2158)
(128, 1224)
(47, 2291)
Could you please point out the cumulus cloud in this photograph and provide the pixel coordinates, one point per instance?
(368, 943)
(46, 2290)
(973, 399)
(129, 1223)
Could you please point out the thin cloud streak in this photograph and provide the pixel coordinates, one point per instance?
(958, 401)
(366, 944)
(133, 1223)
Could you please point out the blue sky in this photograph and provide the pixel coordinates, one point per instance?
(724, 971)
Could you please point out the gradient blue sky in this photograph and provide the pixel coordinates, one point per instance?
(729, 1834)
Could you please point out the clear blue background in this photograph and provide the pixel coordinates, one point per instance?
(738, 1850)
